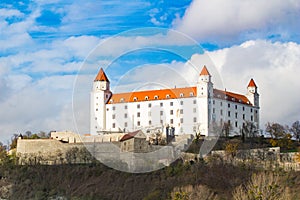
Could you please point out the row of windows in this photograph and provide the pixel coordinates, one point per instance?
(150, 105)
(149, 113)
(236, 106)
(150, 122)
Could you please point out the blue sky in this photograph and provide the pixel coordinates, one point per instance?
(44, 44)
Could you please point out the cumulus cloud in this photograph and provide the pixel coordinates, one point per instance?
(234, 20)
(275, 69)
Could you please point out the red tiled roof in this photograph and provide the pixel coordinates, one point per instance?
(129, 135)
(230, 96)
(101, 76)
(252, 83)
(174, 93)
(150, 95)
(204, 71)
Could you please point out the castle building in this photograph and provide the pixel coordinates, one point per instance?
(187, 110)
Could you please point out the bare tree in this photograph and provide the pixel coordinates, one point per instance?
(276, 130)
(264, 186)
(295, 130)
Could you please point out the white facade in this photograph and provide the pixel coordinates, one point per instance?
(186, 110)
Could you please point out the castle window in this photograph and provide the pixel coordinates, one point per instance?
(235, 106)
(236, 124)
(125, 115)
(221, 104)
(214, 110)
(213, 102)
(114, 116)
(113, 108)
(167, 96)
(181, 94)
(149, 105)
(96, 109)
(171, 103)
(195, 119)
(221, 112)
(161, 121)
(146, 98)
(181, 120)
(122, 100)
(161, 112)
(161, 104)
(251, 110)
(138, 114)
(229, 105)
(138, 123)
(150, 122)
(95, 118)
(155, 97)
(181, 111)
(138, 106)
(194, 110)
(236, 115)
(191, 94)
(95, 128)
(256, 111)
(251, 117)
(181, 102)
(125, 107)
(171, 121)
(243, 116)
(228, 113)
(243, 108)
(194, 102)
(171, 112)
(135, 98)
(114, 125)
(125, 124)
(149, 113)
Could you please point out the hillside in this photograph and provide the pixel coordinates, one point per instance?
(96, 181)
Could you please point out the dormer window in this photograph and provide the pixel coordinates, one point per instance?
(122, 100)
(181, 94)
(146, 98)
(155, 97)
(226, 96)
(168, 96)
(233, 99)
(135, 98)
(191, 94)
(111, 101)
(240, 100)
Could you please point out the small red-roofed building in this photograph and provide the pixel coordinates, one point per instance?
(134, 142)
(186, 110)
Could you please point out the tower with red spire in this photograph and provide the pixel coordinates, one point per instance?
(100, 95)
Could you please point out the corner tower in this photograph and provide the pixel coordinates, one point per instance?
(252, 93)
(204, 96)
(100, 95)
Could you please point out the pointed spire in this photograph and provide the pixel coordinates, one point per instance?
(252, 83)
(101, 76)
(204, 71)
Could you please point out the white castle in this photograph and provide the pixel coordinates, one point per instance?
(178, 111)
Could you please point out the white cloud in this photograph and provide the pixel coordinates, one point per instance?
(6, 13)
(274, 67)
(216, 20)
